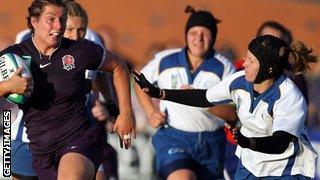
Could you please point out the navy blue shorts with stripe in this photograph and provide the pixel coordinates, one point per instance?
(201, 152)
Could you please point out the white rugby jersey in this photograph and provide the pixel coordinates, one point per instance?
(169, 70)
(280, 108)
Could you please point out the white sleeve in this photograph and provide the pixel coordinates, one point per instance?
(220, 93)
(289, 112)
(151, 70)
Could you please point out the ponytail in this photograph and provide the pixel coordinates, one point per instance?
(300, 57)
(189, 9)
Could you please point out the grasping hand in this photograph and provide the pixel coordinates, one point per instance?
(20, 85)
(146, 86)
(240, 139)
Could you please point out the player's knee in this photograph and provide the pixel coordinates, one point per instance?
(75, 166)
(182, 174)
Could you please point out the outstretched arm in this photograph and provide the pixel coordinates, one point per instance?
(125, 124)
(191, 97)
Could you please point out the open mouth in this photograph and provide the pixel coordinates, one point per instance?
(55, 35)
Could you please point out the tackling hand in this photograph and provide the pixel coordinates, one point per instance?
(146, 86)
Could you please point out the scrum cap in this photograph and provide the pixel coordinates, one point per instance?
(272, 54)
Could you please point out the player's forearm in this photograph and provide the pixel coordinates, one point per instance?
(116, 66)
(122, 86)
(275, 144)
(227, 112)
(144, 100)
(191, 97)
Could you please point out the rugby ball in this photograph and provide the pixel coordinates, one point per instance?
(9, 63)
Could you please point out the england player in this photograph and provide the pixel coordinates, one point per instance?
(77, 29)
(61, 141)
(190, 142)
(272, 142)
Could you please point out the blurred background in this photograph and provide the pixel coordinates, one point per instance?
(137, 29)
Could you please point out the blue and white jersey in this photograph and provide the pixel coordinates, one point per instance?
(169, 70)
(280, 108)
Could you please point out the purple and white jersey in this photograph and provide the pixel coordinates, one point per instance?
(55, 114)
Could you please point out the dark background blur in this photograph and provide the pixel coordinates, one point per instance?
(136, 28)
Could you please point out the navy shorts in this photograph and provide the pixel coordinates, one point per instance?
(201, 152)
(21, 159)
(90, 144)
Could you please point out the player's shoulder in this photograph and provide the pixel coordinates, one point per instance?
(166, 53)
(288, 87)
(289, 96)
(160, 56)
(237, 77)
(83, 43)
(15, 49)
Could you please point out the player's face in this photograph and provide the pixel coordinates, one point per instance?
(199, 41)
(251, 67)
(49, 27)
(76, 28)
